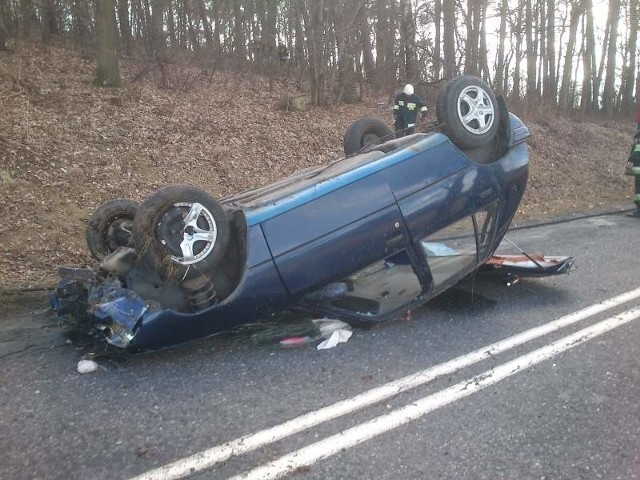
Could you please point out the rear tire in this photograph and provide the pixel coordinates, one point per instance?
(365, 132)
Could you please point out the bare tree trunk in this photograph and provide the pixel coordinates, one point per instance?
(238, 32)
(107, 71)
(385, 41)
(549, 83)
(313, 14)
(382, 34)
(344, 19)
(299, 50)
(49, 20)
(27, 14)
(269, 52)
(437, 52)
(157, 34)
(408, 37)
(6, 22)
(206, 25)
(502, 35)
(588, 60)
(181, 24)
(542, 20)
(449, 42)
(368, 62)
(472, 22)
(125, 26)
(531, 52)
(171, 25)
(193, 35)
(597, 80)
(629, 79)
(517, 31)
(81, 19)
(608, 92)
(483, 51)
(564, 97)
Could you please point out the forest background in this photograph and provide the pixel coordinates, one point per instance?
(200, 91)
(560, 51)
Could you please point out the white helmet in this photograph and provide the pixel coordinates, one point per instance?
(408, 89)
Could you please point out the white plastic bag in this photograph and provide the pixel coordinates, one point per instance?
(336, 337)
(87, 366)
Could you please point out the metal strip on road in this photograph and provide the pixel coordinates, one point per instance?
(210, 457)
(307, 456)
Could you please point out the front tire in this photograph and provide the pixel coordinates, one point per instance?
(110, 226)
(181, 232)
(468, 112)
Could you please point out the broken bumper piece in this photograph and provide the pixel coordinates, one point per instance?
(117, 315)
(534, 265)
(106, 306)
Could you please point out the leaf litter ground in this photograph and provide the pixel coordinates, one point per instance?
(66, 146)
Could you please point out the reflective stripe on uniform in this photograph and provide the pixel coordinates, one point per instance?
(411, 106)
(635, 171)
(423, 109)
(636, 198)
(401, 103)
(396, 107)
(636, 148)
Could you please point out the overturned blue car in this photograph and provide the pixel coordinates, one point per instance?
(394, 223)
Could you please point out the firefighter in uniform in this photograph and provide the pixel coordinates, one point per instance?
(633, 168)
(405, 110)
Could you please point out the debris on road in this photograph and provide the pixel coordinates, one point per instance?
(87, 366)
(337, 336)
(333, 331)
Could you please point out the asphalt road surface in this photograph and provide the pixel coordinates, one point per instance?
(539, 380)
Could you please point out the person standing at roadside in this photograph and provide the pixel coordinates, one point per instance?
(405, 110)
(633, 168)
(637, 112)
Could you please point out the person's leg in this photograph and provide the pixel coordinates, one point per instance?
(636, 197)
(399, 126)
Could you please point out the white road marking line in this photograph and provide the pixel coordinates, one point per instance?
(306, 456)
(210, 457)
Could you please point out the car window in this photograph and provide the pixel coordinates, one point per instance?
(454, 251)
(451, 252)
(378, 289)
(485, 221)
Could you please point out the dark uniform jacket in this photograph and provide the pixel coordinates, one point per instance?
(634, 156)
(406, 108)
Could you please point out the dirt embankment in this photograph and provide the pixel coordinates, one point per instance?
(66, 146)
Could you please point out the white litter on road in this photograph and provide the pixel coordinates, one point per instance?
(337, 336)
(87, 366)
(333, 331)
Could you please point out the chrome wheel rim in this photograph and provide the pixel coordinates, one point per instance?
(197, 233)
(476, 110)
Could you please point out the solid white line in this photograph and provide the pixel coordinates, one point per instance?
(210, 457)
(306, 456)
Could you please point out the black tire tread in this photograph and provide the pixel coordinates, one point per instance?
(100, 220)
(358, 129)
(446, 113)
(156, 255)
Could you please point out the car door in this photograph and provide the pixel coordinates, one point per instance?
(335, 234)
